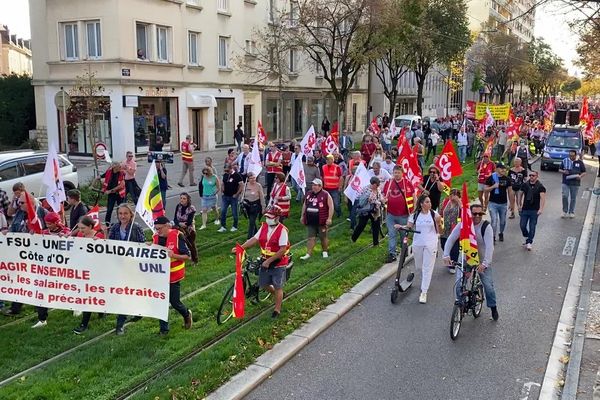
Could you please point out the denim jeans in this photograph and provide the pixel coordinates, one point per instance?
(335, 195)
(528, 217)
(163, 195)
(390, 220)
(227, 201)
(462, 153)
(488, 286)
(569, 198)
(299, 192)
(498, 216)
(352, 212)
(174, 299)
(131, 189)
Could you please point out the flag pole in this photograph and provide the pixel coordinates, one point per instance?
(131, 227)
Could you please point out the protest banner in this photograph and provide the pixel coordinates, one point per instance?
(80, 274)
(499, 112)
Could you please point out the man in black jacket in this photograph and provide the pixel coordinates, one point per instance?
(78, 208)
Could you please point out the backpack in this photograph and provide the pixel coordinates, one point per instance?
(432, 217)
(200, 186)
(484, 225)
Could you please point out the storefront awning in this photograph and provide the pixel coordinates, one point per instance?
(200, 100)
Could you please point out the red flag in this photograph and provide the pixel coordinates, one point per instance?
(468, 240)
(408, 160)
(261, 135)
(488, 148)
(374, 127)
(585, 112)
(329, 146)
(94, 213)
(448, 163)
(335, 132)
(586, 118)
(239, 297)
(33, 222)
(402, 137)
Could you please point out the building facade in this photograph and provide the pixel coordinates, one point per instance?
(15, 54)
(163, 69)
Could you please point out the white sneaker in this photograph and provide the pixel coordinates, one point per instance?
(572, 215)
(40, 324)
(325, 254)
(217, 222)
(222, 229)
(305, 257)
(529, 246)
(423, 298)
(233, 229)
(77, 313)
(202, 227)
(564, 215)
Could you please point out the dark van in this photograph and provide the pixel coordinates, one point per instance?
(558, 144)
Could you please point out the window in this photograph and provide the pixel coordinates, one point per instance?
(319, 69)
(9, 171)
(71, 42)
(141, 32)
(271, 11)
(293, 62)
(34, 165)
(223, 52)
(222, 5)
(193, 44)
(250, 48)
(162, 35)
(194, 2)
(94, 41)
(294, 14)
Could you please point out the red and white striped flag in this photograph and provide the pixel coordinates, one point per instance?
(239, 297)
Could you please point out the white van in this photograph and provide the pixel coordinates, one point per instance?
(407, 120)
(27, 166)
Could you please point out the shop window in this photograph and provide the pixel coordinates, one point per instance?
(71, 41)
(87, 117)
(224, 121)
(155, 126)
(94, 42)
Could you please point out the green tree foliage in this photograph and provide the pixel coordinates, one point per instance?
(571, 86)
(17, 109)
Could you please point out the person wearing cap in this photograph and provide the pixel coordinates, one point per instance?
(113, 186)
(273, 239)
(370, 203)
(317, 213)
(485, 168)
(333, 182)
(273, 163)
(179, 253)
(281, 196)
(497, 186)
(232, 187)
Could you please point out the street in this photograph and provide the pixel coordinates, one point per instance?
(385, 351)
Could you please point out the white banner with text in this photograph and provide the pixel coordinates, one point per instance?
(81, 274)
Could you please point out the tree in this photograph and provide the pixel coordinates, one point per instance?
(546, 73)
(17, 109)
(389, 55)
(477, 83)
(265, 59)
(589, 87)
(337, 35)
(438, 35)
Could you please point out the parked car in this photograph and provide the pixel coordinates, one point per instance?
(28, 167)
(558, 144)
(406, 120)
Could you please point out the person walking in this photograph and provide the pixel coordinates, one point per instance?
(178, 252)
(273, 163)
(253, 203)
(238, 136)
(451, 216)
(485, 169)
(273, 239)
(433, 186)
(187, 158)
(114, 187)
(243, 160)
(311, 172)
(281, 196)
(572, 170)
(125, 230)
(129, 166)
(370, 203)
(399, 197)
(516, 176)
(208, 187)
(185, 212)
(485, 246)
(497, 186)
(163, 184)
(462, 140)
(232, 188)
(432, 141)
(325, 126)
(534, 201)
(425, 243)
(367, 149)
(317, 213)
(333, 183)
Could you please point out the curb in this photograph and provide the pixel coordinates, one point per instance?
(555, 369)
(244, 382)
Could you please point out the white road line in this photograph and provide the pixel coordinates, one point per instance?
(569, 246)
(585, 194)
(526, 389)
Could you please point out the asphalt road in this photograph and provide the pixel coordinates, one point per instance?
(385, 351)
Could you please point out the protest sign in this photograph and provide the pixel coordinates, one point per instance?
(80, 274)
(499, 112)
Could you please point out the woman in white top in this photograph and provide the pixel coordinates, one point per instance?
(425, 243)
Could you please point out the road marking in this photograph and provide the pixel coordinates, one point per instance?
(526, 390)
(585, 194)
(569, 246)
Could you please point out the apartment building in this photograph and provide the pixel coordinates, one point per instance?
(15, 54)
(165, 69)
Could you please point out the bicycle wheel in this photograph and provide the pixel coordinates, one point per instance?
(263, 295)
(226, 308)
(478, 301)
(455, 321)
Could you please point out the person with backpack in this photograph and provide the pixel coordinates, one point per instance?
(399, 193)
(425, 243)
(368, 207)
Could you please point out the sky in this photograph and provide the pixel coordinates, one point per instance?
(550, 24)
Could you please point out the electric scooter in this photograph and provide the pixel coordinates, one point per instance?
(403, 285)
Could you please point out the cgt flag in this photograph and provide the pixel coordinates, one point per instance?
(52, 178)
(329, 146)
(468, 240)
(308, 142)
(359, 181)
(409, 163)
(335, 132)
(261, 135)
(448, 163)
(374, 127)
(94, 214)
(150, 205)
(297, 173)
(239, 298)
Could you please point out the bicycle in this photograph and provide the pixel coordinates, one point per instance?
(402, 286)
(251, 289)
(470, 300)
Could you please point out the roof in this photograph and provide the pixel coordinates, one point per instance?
(16, 154)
